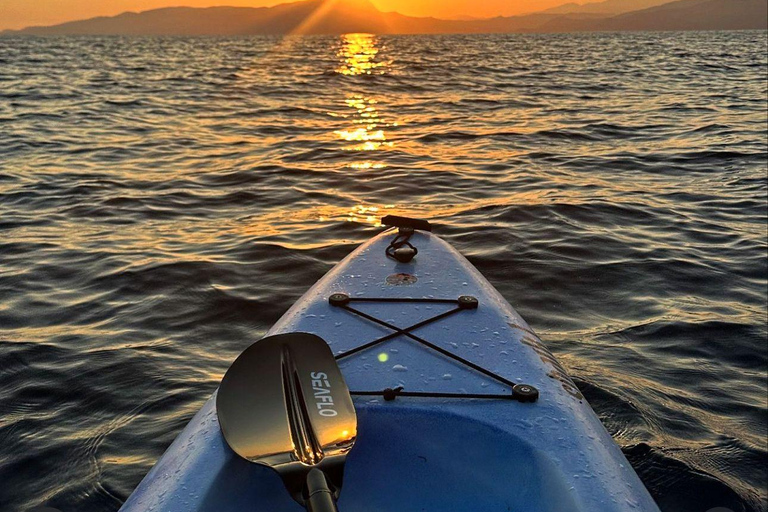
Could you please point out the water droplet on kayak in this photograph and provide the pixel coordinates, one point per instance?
(399, 368)
(447, 376)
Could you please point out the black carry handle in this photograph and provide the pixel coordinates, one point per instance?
(406, 222)
(319, 494)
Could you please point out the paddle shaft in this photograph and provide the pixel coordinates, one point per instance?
(319, 495)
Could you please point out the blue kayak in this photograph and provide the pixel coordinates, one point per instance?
(460, 406)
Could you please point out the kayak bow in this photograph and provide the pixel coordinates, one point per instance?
(460, 406)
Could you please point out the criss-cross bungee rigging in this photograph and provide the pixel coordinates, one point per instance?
(520, 392)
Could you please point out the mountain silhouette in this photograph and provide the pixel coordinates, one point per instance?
(697, 15)
(606, 7)
(311, 17)
(344, 16)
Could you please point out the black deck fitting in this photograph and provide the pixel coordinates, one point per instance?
(525, 393)
(339, 299)
(468, 302)
(406, 222)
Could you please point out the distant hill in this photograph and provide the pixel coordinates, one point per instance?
(307, 17)
(697, 15)
(678, 15)
(319, 17)
(606, 7)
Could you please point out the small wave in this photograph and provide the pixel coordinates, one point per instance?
(680, 487)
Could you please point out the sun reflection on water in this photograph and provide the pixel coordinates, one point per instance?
(359, 55)
(366, 165)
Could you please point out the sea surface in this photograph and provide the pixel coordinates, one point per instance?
(164, 200)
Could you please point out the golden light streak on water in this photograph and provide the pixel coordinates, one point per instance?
(359, 55)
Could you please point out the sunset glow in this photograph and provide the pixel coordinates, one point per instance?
(16, 14)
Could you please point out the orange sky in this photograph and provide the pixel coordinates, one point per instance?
(23, 13)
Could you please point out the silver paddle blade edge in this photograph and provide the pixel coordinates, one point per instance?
(284, 404)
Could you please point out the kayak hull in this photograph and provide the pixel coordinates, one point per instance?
(422, 453)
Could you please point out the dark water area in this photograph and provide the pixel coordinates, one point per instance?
(164, 201)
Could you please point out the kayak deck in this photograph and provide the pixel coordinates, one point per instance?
(422, 453)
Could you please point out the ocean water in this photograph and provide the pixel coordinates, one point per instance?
(164, 200)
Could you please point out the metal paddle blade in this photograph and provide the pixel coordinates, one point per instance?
(284, 403)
